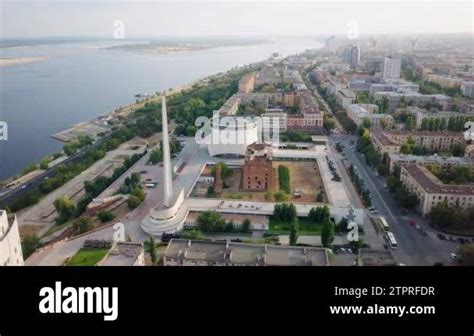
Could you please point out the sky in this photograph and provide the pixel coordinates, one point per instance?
(29, 18)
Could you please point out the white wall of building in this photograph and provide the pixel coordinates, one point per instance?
(10, 243)
(391, 68)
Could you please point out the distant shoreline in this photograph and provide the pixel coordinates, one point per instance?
(160, 49)
(11, 61)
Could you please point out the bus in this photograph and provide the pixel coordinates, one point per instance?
(383, 224)
(391, 240)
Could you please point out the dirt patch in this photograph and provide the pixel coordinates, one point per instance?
(28, 230)
(305, 179)
(154, 139)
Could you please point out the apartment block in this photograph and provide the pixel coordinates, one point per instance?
(431, 192)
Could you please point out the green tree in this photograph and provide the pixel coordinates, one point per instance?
(442, 216)
(320, 196)
(284, 178)
(192, 234)
(82, 224)
(281, 196)
(44, 165)
(156, 156)
(327, 233)
(319, 214)
(65, 209)
(225, 170)
(150, 247)
(246, 226)
(29, 244)
(410, 123)
(285, 212)
(139, 193)
(210, 221)
(366, 123)
(133, 202)
(105, 216)
(294, 228)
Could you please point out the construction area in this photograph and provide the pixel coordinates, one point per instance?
(305, 182)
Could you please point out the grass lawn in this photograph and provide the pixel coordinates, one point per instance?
(87, 257)
(306, 227)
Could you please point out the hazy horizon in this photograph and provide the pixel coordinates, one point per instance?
(197, 19)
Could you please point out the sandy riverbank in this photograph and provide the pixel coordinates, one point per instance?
(5, 62)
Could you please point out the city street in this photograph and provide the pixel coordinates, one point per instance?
(413, 247)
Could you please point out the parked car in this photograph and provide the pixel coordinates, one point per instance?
(404, 212)
(412, 222)
(462, 240)
(441, 236)
(455, 257)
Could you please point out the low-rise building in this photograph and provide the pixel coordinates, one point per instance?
(467, 89)
(436, 140)
(393, 85)
(390, 141)
(430, 160)
(257, 171)
(10, 243)
(413, 98)
(272, 121)
(345, 97)
(261, 99)
(231, 105)
(371, 257)
(431, 192)
(445, 81)
(469, 151)
(360, 112)
(124, 254)
(421, 114)
(383, 144)
(247, 83)
(182, 252)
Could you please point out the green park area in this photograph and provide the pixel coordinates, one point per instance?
(87, 257)
(306, 226)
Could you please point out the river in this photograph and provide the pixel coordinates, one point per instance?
(77, 81)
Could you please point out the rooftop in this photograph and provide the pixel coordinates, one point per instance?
(383, 138)
(424, 133)
(370, 257)
(123, 254)
(431, 184)
(245, 254)
(431, 158)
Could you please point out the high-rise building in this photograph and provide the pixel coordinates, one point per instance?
(10, 243)
(330, 42)
(351, 55)
(391, 68)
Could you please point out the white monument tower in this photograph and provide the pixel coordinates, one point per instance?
(167, 178)
(166, 217)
